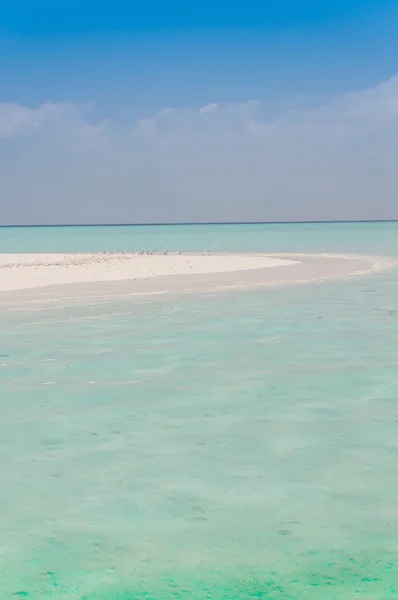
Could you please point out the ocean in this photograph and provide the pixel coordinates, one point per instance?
(225, 446)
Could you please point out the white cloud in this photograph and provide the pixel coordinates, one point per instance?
(218, 162)
(209, 108)
(17, 120)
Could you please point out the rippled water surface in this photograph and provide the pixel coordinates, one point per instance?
(221, 446)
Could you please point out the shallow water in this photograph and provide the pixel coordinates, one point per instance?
(225, 446)
(366, 238)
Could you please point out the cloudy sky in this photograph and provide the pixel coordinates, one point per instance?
(253, 111)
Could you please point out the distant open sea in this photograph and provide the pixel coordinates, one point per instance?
(218, 446)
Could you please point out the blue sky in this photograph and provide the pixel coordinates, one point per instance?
(46, 17)
(139, 55)
(97, 63)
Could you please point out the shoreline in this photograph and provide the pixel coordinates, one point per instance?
(43, 278)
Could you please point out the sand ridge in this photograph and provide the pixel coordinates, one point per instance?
(26, 271)
(40, 280)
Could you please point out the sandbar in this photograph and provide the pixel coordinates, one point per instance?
(24, 271)
(110, 274)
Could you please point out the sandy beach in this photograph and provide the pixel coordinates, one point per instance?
(24, 271)
(42, 277)
(147, 272)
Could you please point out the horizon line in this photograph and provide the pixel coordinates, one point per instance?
(207, 223)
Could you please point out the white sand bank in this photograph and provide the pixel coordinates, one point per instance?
(37, 280)
(27, 271)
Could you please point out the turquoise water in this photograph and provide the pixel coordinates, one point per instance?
(220, 446)
(323, 237)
